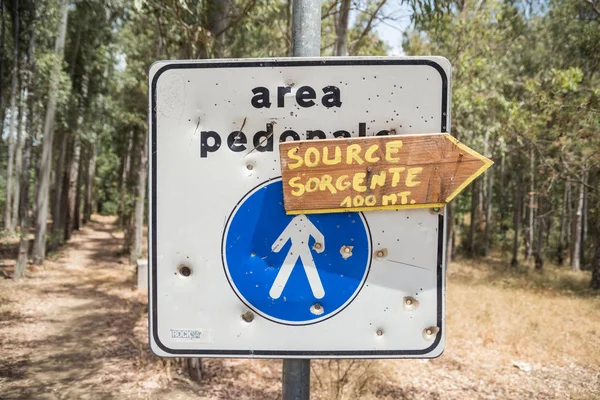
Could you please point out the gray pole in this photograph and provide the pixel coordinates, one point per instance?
(306, 42)
(296, 379)
(306, 28)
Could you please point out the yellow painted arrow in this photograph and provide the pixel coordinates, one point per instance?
(375, 173)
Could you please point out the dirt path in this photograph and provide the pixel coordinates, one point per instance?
(77, 329)
(69, 327)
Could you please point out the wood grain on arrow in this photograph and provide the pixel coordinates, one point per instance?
(380, 172)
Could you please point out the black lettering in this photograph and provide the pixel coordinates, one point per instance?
(315, 134)
(261, 97)
(332, 97)
(236, 141)
(281, 92)
(339, 134)
(289, 133)
(305, 96)
(263, 140)
(383, 133)
(206, 148)
(362, 129)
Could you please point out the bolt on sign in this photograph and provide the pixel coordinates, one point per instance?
(375, 173)
(233, 274)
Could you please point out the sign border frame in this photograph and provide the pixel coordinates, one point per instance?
(152, 244)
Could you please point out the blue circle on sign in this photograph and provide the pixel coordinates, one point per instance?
(294, 269)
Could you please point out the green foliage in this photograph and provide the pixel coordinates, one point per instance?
(264, 33)
(525, 85)
(107, 178)
(108, 207)
(362, 39)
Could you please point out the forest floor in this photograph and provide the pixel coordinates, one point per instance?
(77, 328)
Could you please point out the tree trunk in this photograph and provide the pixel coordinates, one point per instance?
(488, 213)
(59, 177)
(449, 233)
(24, 211)
(516, 222)
(539, 261)
(25, 170)
(39, 248)
(35, 160)
(341, 29)
(531, 205)
(18, 158)
(218, 17)
(595, 283)
(454, 235)
(72, 186)
(76, 170)
(138, 227)
(569, 221)
(501, 198)
(36, 128)
(89, 184)
(12, 130)
(79, 183)
(563, 215)
(69, 157)
(130, 185)
(2, 52)
(548, 227)
(65, 203)
(288, 28)
(584, 219)
(123, 183)
(576, 253)
(472, 227)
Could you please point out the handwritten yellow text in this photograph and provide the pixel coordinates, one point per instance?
(353, 154)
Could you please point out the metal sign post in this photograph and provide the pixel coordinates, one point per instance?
(306, 42)
(233, 273)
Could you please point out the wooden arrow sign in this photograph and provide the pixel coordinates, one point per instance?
(376, 173)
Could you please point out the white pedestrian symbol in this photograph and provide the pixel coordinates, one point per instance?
(299, 231)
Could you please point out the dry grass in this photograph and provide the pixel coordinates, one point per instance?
(548, 317)
(497, 320)
(76, 329)
(344, 379)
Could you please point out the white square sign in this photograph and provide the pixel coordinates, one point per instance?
(231, 275)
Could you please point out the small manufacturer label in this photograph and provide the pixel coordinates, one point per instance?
(191, 335)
